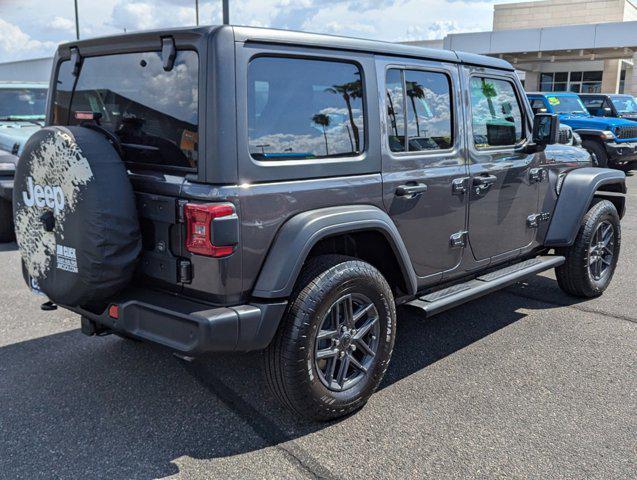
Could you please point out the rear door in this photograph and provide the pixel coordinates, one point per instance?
(504, 183)
(424, 169)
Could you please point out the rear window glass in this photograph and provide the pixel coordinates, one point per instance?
(153, 112)
(19, 103)
(302, 109)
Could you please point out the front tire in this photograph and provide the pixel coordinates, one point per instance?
(591, 260)
(335, 340)
(597, 151)
(7, 233)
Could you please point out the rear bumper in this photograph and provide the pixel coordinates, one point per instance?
(188, 326)
(6, 188)
(622, 152)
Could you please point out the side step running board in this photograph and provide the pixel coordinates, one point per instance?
(455, 295)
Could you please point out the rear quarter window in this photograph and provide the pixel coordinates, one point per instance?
(302, 109)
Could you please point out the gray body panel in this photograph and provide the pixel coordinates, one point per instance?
(297, 237)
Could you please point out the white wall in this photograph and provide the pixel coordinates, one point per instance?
(36, 70)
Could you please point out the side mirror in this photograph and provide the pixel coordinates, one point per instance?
(608, 112)
(545, 129)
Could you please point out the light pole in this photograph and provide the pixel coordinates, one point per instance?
(226, 12)
(77, 23)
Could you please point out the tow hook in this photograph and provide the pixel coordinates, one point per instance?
(90, 328)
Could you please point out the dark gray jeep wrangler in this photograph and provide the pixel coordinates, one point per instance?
(236, 189)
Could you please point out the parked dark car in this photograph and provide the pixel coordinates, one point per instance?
(235, 189)
(611, 141)
(618, 106)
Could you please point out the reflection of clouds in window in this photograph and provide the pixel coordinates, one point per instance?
(172, 93)
(496, 114)
(304, 108)
(429, 111)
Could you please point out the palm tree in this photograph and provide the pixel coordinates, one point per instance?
(414, 91)
(324, 121)
(350, 91)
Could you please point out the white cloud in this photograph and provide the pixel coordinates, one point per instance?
(45, 23)
(17, 45)
(62, 23)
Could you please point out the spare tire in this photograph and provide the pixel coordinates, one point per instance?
(75, 216)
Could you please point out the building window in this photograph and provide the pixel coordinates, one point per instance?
(622, 82)
(578, 82)
(300, 109)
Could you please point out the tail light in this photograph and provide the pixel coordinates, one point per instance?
(212, 229)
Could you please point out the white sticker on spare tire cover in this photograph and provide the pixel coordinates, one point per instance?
(58, 163)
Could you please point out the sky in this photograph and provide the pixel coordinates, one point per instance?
(33, 28)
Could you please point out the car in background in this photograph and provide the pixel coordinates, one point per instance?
(22, 111)
(611, 141)
(618, 106)
(7, 172)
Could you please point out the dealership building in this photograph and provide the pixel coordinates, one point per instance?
(561, 45)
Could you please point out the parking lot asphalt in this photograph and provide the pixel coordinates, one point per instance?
(525, 383)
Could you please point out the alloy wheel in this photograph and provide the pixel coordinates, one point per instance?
(347, 342)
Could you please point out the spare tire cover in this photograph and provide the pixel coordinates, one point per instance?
(75, 216)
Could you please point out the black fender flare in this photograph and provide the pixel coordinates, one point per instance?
(578, 189)
(300, 233)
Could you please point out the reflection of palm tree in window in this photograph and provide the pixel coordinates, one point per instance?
(415, 91)
(488, 90)
(392, 113)
(350, 91)
(324, 121)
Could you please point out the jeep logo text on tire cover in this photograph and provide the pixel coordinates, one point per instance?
(41, 196)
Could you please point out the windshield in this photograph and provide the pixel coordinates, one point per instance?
(567, 104)
(22, 103)
(153, 112)
(625, 104)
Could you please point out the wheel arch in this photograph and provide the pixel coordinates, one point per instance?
(306, 235)
(579, 189)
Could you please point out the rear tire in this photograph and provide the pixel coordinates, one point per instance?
(349, 303)
(597, 150)
(7, 233)
(591, 260)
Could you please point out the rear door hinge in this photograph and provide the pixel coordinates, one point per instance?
(460, 185)
(181, 216)
(458, 239)
(533, 221)
(184, 271)
(537, 175)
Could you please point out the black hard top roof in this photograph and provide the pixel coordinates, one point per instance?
(287, 37)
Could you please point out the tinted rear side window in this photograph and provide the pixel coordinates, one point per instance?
(428, 122)
(304, 109)
(153, 112)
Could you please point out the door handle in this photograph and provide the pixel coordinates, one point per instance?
(410, 190)
(482, 183)
(484, 180)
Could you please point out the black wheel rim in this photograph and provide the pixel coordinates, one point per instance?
(347, 342)
(601, 251)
